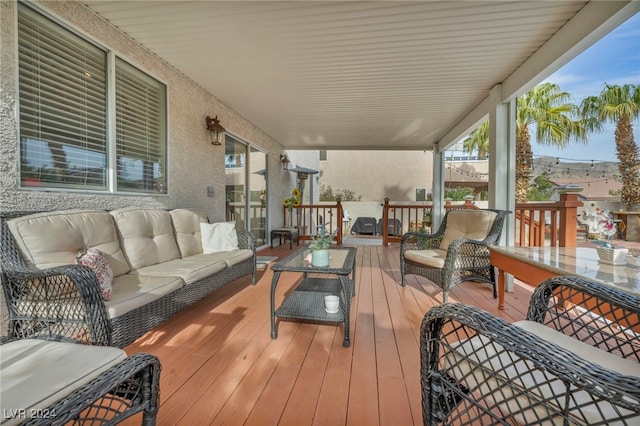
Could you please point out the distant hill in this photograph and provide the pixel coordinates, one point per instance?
(598, 180)
(565, 170)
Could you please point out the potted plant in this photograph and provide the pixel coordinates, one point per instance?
(602, 222)
(320, 247)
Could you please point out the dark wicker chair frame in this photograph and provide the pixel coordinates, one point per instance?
(66, 300)
(467, 260)
(452, 394)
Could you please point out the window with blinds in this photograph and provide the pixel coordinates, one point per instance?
(63, 106)
(63, 94)
(140, 130)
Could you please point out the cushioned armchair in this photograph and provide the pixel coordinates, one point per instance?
(457, 252)
(575, 360)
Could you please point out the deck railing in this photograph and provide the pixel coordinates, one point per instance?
(307, 218)
(553, 223)
(536, 224)
(411, 217)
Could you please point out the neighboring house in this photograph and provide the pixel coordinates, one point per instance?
(399, 175)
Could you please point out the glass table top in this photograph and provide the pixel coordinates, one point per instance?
(581, 261)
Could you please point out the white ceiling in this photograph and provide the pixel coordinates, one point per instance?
(348, 75)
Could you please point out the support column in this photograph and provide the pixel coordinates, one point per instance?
(502, 154)
(438, 188)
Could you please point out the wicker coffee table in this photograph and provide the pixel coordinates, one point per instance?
(306, 302)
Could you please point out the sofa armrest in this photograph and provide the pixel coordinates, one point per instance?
(600, 315)
(246, 240)
(61, 303)
(479, 369)
(129, 387)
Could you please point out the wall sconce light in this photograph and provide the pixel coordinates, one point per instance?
(284, 160)
(216, 130)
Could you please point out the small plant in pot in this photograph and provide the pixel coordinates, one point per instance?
(320, 247)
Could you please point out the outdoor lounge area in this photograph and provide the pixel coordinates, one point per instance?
(237, 374)
(161, 179)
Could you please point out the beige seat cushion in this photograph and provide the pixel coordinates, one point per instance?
(467, 223)
(131, 291)
(431, 257)
(146, 236)
(55, 238)
(186, 225)
(195, 268)
(520, 373)
(36, 373)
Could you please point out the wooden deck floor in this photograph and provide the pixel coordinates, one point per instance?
(220, 365)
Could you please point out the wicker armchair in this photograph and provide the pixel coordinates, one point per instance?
(454, 254)
(37, 393)
(573, 361)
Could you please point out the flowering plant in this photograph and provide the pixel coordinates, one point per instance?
(293, 201)
(598, 221)
(322, 240)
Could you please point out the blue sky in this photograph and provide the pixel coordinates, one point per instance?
(614, 59)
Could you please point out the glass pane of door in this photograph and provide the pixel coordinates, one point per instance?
(258, 195)
(246, 187)
(235, 181)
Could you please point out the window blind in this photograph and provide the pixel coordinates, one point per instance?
(63, 95)
(140, 130)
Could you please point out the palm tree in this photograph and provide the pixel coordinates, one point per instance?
(478, 140)
(557, 122)
(620, 105)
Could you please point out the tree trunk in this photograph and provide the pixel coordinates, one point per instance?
(629, 166)
(523, 163)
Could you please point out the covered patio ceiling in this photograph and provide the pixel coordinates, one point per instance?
(364, 75)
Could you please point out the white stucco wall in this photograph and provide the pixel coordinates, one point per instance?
(375, 175)
(193, 163)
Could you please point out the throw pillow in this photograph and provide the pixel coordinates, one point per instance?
(97, 261)
(220, 236)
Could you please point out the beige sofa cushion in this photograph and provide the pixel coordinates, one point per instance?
(197, 267)
(186, 225)
(131, 291)
(55, 238)
(478, 351)
(146, 236)
(432, 257)
(36, 373)
(467, 223)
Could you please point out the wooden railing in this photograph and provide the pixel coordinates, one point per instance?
(536, 224)
(307, 218)
(553, 223)
(411, 217)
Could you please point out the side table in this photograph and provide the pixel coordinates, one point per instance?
(286, 234)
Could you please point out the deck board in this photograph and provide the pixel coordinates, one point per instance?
(220, 365)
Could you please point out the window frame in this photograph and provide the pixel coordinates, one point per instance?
(110, 170)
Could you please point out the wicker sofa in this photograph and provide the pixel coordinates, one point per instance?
(575, 360)
(156, 257)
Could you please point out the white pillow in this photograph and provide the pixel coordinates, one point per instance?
(220, 236)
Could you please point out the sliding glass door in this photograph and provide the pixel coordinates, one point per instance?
(246, 187)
